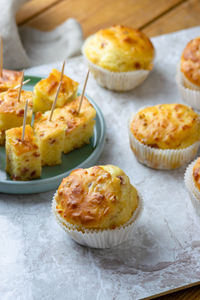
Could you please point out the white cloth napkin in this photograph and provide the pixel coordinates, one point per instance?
(28, 47)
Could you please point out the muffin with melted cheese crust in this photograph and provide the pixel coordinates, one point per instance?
(95, 200)
(188, 77)
(120, 54)
(165, 136)
(190, 64)
(192, 182)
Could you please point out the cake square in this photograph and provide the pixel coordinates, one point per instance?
(79, 128)
(9, 79)
(12, 110)
(23, 159)
(51, 139)
(45, 91)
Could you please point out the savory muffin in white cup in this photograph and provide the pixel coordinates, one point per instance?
(119, 57)
(97, 206)
(188, 75)
(165, 136)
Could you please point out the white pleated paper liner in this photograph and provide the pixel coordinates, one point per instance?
(190, 94)
(161, 159)
(193, 190)
(106, 238)
(116, 81)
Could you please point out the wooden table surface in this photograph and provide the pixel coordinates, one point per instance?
(154, 17)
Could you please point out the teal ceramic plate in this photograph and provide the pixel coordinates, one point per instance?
(52, 176)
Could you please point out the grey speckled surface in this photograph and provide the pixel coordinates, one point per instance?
(39, 261)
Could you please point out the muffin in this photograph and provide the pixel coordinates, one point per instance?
(192, 182)
(165, 136)
(119, 57)
(97, 206)
(188, 77)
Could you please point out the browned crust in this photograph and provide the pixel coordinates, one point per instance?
(29, 143)
(166, 126)
(91, 198)
(9, 102)
(132, 47)
(190, 61)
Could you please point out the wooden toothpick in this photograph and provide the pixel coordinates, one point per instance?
(57, 92)
(83, 92)
(1, 63)
(24, 121)
(20, 88)
(23, 83)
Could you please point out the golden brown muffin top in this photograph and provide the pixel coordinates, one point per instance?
(29, 144)
(166, 126)
(196, 173)
(9, 102)
(120, 49)
(50, 84)
(100, 197)
(9, 79)
(190, 61)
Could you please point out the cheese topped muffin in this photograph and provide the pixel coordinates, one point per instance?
(196, 174)
(9, 79)
(120, 49)
(100, 197)
(190, 64)
(166, 126)
(45, 91)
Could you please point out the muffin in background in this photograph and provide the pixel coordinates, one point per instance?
(188, 75)
(165, 136)
(192, 182)
(119, 57)
(97, 206)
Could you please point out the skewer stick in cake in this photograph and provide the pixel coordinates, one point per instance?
(3, 98)
(83, 92)
(78, 119)
(12, 110)
(50, 133)
(45, 91)
(23, 83)
(79, 127)
(23, 159)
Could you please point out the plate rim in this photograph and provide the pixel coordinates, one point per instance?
(97, 149)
